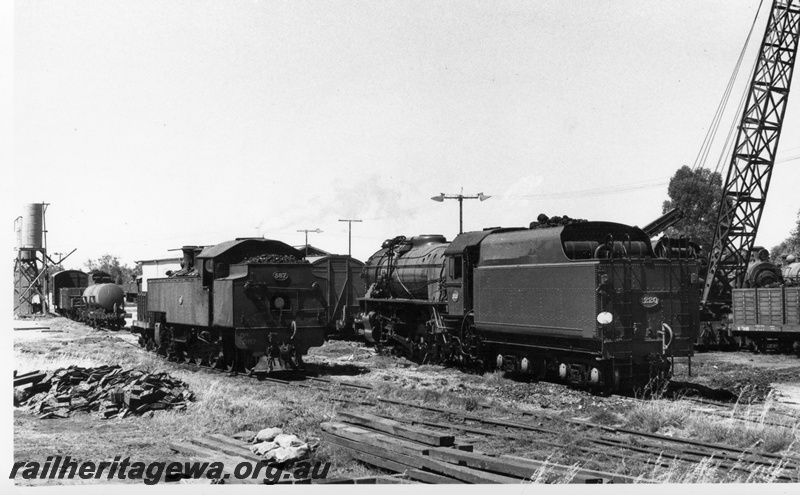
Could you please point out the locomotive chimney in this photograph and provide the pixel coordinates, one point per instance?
(187, 263)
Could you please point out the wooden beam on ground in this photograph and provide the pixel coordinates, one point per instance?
(389, 479)
(29, 378)
(466, 474)
(399, 429)
(380, 462)
(583, 475)
(230, 441)
(246, 456)
(433, 478)
(208, 455)
(375, 438)
(405, 461)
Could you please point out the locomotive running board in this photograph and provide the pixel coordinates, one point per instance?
(404, 301)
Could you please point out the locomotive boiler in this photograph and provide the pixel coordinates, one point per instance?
(791, 271)
(590, 303)
(761, 272)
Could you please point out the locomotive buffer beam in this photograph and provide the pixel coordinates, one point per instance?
(415, 302)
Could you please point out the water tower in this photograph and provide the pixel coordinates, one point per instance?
(30, 265)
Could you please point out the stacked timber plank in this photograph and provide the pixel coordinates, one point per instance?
(107, 390)
(433, 457)
(231, 452)
(234, 452)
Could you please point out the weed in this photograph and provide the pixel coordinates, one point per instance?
(656, 415)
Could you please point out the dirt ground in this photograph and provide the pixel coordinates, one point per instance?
(227, 404)
(747, 376)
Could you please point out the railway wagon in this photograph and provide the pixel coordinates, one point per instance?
(250, 305)
(588, 302)
(767, 317)
(339, 277)
(91, 298)
(66, 289)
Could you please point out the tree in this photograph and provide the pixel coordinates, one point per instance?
(791, 245)
(697, 193)
(111, 265)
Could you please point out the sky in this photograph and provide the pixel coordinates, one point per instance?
(150, 125)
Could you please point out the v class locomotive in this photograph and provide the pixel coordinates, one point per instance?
(588, 302)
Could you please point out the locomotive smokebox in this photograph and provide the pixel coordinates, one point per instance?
(408, 268)
(105, 296)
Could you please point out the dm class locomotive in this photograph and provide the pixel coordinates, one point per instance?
(588, 302)
(92, 298)
(251, 305)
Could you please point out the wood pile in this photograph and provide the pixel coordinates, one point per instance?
(235, 451)
(220, 448)
(434, 457)
(108, 390)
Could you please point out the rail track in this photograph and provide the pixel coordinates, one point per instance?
(598, 440)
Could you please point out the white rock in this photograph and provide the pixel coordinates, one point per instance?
(267, 434)
(263, 447)
(285, 440)
(284, 454)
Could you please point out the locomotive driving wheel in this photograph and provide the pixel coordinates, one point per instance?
(248, 363)
(215, 359)
(189, 357)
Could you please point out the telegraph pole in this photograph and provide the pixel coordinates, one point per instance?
(316, 231)
(349, 235)
(460, 197)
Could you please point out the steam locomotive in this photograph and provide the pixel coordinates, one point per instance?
(92, 298)
(250, 305)
(791, 271)
(588, 302)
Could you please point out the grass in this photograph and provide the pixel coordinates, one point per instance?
(657, 415)
(223, 405)
(679, 418)
(228, 405)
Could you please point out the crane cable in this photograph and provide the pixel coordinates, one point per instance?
(705, 148)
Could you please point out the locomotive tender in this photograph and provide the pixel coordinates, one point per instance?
(589, 302)
(248, 305)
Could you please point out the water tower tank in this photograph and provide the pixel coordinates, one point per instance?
(32, 226)
(31, 230)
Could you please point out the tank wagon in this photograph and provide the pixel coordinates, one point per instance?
(91, 298)
(249, 305)
(589, 303)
